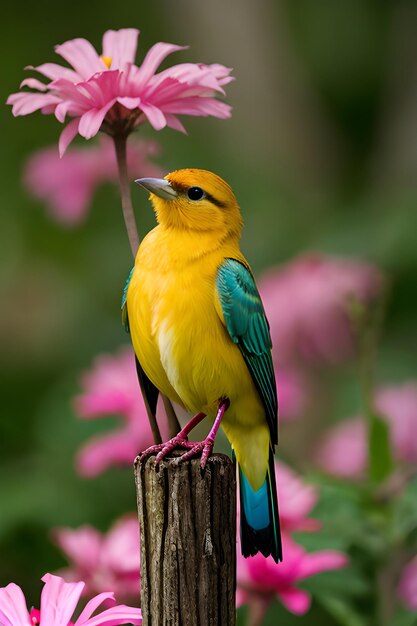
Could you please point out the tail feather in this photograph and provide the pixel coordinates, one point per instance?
(259, 516)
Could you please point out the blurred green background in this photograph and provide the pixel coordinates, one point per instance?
(321, 151)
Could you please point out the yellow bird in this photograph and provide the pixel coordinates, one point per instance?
(201, 338)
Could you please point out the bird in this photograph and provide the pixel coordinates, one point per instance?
(201, 338)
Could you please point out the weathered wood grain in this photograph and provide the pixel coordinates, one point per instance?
(187, 520)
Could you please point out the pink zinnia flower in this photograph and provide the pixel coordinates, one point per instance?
(343, 449)
(103, 561)
(407, 588)
(307, 305)
(111, 388)
(67, 185)
(108, 91)
(260, 580)
(58, 603)
(296, 500)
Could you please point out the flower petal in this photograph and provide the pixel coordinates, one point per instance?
(93, 604)
(82, 56)
(91, 121)
(67, 136)
(116, 448)
(155, 116)
(321, 561)
(196, 105)
(130, 103)
(174, 122)
(55, 71)
(13, 610)
(295, 600)
(121, 551)
(64, 185)
(62, 109)
(154, 58)
(59, 600)
(82, 545)
(121, 46)
(115, 615)
(25, 103)
(34, 83)
(342, 449)
(297, 499)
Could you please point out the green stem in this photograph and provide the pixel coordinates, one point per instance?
(127, 207)
(257, 612)
(367, 367)
(368, 321)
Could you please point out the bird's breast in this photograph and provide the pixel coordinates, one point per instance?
(176, 332)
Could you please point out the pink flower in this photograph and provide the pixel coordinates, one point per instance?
(111, 388)
(343, 449)
(58, 603)
(292, 393)
(109, 561)
(407, 589)
(67, 185)
(261, 580)
(109, 91)
(307, 304)
(296, 500)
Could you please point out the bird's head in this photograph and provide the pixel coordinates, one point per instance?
(196, 200)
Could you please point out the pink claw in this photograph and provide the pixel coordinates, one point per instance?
(205, 447)
(175, 442)
(179, 441)
(152, 450)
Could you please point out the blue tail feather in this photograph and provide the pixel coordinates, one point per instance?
(255, 504)
(259, 518)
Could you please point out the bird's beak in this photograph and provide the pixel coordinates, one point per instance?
(159, 186)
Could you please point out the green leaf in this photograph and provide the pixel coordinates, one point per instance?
(380, 457)
(403, 617)
(341, 611)
(404, 527)
(349, 582)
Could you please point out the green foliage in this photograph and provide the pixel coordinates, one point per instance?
(380, 457)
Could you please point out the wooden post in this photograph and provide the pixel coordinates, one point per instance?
(187, 520)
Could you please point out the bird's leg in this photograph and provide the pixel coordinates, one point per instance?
(205, 447)
(180, 440)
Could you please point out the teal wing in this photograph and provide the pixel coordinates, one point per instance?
(248, 327)
(123, 306)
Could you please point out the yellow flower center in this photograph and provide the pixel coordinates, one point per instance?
(107, 61)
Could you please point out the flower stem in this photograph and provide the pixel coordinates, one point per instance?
(120, 142)
(257, 612)
(128, 214)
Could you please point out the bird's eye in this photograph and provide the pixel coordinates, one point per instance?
(195, 193)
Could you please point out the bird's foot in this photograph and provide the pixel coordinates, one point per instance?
(197, 448)
(178, 441)
(205, 447)
(163, 449)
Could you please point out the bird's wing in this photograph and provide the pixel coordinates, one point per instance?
(246, 322)
(149, 391)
